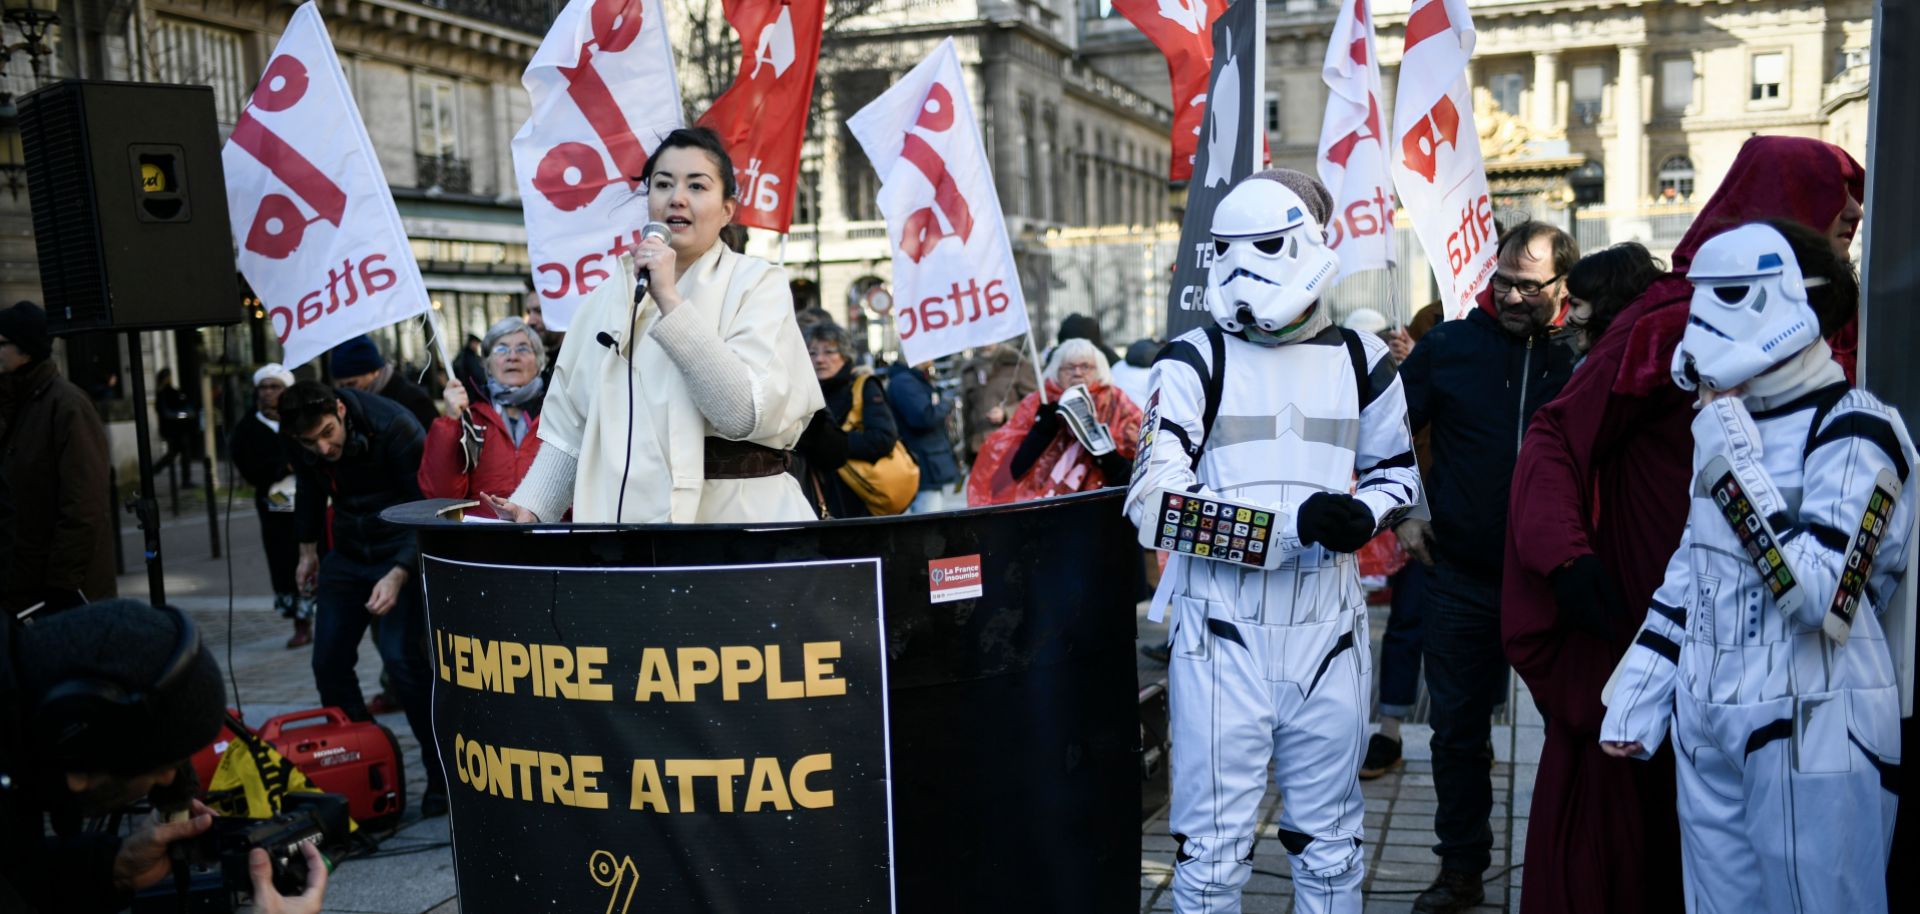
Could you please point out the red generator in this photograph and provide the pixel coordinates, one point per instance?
(359, 760)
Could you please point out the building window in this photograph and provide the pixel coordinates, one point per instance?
(193, 54)
(1035, 207)
(1506, 89)
(1769, 75)
(1057, 166)
(436, 117)
(1676, 179)
(806, 209)
(1588, 84)
(1273, 117)
(436, 132)
(1676, 84)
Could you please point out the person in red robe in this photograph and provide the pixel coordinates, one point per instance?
(1598, 502)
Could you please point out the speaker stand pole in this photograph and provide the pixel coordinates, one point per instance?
(146, 511)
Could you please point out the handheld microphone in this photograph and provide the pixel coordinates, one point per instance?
(650, 230)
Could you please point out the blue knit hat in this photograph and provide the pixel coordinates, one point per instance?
(355, 357)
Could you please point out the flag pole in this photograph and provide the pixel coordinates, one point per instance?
(783, 249)
(1035, 354)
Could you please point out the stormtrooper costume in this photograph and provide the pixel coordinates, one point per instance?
(1274, 407)
(1785, 720)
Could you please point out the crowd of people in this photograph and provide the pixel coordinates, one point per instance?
(1530, 482)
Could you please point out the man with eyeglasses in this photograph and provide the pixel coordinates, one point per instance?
(360, 453)
(56, 520)
(1476, 382)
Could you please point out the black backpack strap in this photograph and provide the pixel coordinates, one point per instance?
(1357, 353)
(1826, 399)
(1212, 379)
(1217, 379)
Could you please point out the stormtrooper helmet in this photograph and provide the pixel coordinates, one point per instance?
(1270, 259)
(1749, 310)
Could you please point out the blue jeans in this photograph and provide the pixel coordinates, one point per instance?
(1466, 678)
(401, 636)
(1400, 646)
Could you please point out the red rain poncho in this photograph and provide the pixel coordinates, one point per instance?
(1064, 467)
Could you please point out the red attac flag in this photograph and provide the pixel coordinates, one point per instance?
(1183, 31)
(763, 117)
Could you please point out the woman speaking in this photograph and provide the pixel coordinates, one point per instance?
(680, 407)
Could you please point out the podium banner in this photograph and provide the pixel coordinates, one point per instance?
(664, 739)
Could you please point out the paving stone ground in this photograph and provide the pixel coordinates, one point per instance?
(1399, 816)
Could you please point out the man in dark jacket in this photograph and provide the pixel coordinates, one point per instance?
(358, 365)
(922, 412)
(1476, 381)
(362, 452)
(56, 520)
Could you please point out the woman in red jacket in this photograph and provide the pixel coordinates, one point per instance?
(505, 416)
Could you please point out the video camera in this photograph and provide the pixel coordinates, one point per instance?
(210, 869)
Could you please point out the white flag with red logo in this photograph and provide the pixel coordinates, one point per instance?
(604, 95)
(954, 282)
(320, 240)
(1183, 31)
(1436, 152)
(1353, 153)
(763, 117)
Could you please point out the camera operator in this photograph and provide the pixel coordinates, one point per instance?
(98, 706)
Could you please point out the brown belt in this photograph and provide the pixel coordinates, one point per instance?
(744, 460)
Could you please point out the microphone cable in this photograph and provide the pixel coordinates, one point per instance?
(641, 282)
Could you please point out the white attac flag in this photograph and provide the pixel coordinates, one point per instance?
(320, 240)
(1436, 152)
(604, 95)
(1353, 153)
(954, 281)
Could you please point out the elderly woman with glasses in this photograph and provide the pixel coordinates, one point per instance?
(504, 415)
(1035, 455)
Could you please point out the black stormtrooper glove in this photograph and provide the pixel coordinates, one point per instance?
(1586, 596)
(1341, 523)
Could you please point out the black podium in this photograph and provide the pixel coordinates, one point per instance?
(922, 714)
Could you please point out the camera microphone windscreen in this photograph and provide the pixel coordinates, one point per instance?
(606, 339)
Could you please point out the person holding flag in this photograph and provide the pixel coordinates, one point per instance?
(689, 384)
(1276, 412)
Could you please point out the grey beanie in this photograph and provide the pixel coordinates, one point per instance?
(127, 643)
(1306, 186)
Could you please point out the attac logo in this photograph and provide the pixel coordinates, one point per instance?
(953, 579)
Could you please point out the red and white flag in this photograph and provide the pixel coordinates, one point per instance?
(954, 282)
(763, 117)
(1353, 152)
(1437, 165)
(320, 240)
(1183, 31)
(604, 95)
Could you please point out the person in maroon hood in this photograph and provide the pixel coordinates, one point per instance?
(1598, 502)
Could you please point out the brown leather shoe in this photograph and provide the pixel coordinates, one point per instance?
(302, 634)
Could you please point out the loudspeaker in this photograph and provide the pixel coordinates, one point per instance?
(129, 206)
